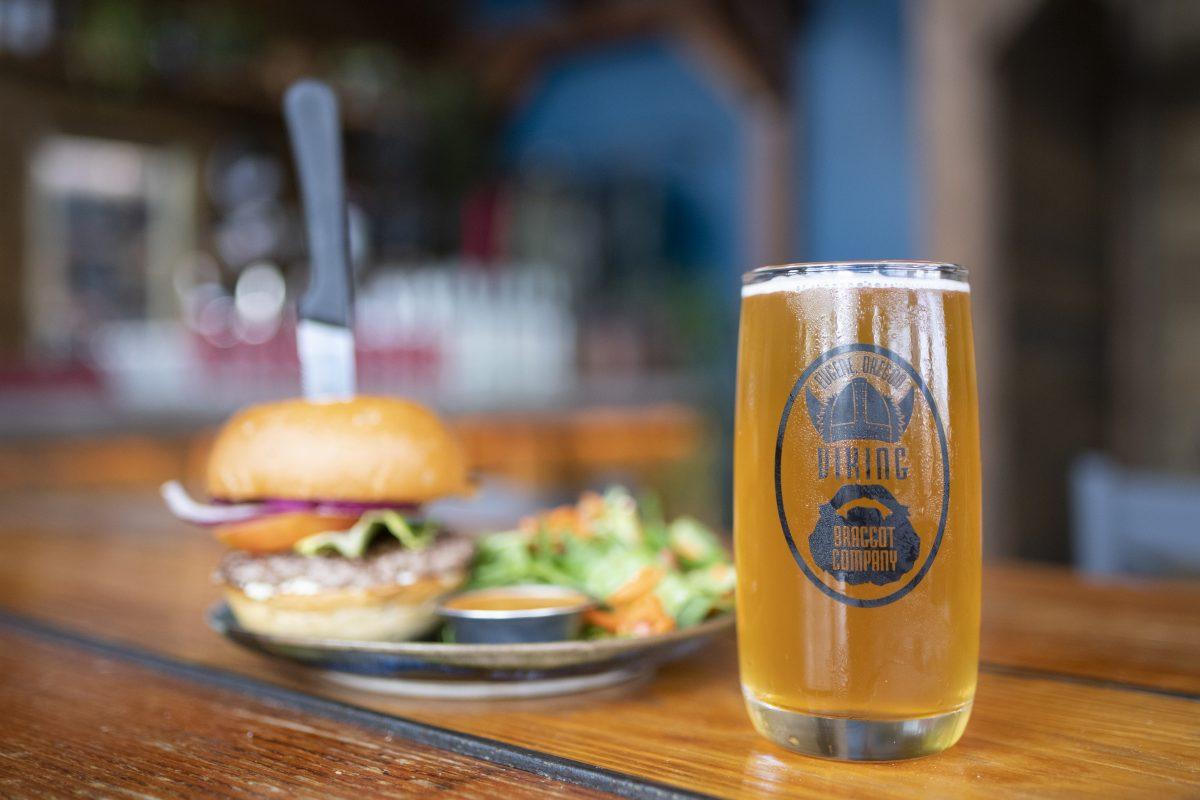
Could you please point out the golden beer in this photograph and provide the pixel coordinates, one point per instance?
(857, 507)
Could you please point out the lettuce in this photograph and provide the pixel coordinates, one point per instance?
(619, 521)
(353, 543)
(694, 544)
(614, 541)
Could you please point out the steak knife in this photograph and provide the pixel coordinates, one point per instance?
(324, 332)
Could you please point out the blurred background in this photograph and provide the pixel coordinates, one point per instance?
(552, 202)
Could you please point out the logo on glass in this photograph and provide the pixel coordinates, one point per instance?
(862, 475)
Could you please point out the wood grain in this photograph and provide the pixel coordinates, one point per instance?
(1052, 720)
(1114, 629)
(76, 724)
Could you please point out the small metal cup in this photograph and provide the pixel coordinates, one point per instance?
(517, 626)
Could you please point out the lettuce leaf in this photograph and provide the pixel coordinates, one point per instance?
(619, 522)
(353, 543)
(620, 539)
(693, 543)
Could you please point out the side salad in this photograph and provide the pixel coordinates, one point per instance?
(650, 576)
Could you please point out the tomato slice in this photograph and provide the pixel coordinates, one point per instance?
(277, 533)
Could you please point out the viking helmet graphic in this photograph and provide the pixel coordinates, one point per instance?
(860, 411)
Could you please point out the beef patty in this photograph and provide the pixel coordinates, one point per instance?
(385, 564)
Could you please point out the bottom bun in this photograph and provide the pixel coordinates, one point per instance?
(404, 612)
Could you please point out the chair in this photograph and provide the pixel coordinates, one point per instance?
(1131, 521)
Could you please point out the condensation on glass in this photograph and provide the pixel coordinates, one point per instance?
(857, 507)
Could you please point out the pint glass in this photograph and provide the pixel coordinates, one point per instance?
(857, 507)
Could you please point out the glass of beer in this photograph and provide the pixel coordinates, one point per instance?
(857, 507)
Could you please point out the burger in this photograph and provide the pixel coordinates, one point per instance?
(320, 505)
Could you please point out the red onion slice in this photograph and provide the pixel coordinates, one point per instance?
(334, 507)
(188, 509)
(183, 506)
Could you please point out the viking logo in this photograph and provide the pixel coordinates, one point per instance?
(863, 535)
(860, 411)
(862, 474)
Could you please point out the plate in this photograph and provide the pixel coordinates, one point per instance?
(439, 669)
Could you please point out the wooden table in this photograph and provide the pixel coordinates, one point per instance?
(111, 685)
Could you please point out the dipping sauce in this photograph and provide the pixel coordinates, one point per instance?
(523, 614)
(522, 600)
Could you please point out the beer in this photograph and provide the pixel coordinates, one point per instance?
(857, 507)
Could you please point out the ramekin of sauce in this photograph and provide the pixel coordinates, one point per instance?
(515, 614)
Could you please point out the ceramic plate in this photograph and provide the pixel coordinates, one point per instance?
(437, 669)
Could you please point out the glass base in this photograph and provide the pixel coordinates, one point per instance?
(852, 739)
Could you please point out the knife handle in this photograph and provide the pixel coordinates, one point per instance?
(311, 110)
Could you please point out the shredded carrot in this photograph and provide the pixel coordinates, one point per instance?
(590, 508)
(641, 583)
(601, 619)
(644, 617)
(563, 518)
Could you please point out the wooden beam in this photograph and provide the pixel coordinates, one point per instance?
(752, 46)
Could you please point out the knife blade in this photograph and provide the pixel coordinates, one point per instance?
(324, 332)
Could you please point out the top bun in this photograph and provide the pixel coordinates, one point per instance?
(365, 449)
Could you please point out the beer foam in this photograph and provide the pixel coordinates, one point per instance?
(846, 279)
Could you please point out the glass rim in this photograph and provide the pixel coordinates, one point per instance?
(895, 268)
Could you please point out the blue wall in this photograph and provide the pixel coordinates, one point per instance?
(640, 107)
(643, 107)
(857, 167)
